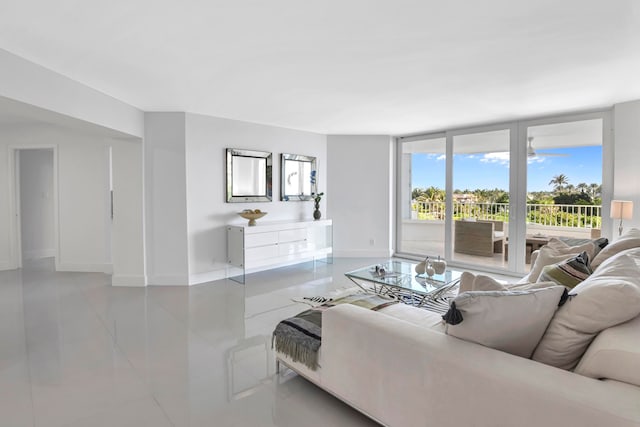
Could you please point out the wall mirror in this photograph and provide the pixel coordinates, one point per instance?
(248, 176)
(298, 177)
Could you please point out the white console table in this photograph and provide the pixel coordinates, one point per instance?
(278, 243)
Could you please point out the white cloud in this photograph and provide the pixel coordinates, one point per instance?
(501, 158)
(535, 159)
(441, 157)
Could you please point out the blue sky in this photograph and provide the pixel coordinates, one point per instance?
(491, 170)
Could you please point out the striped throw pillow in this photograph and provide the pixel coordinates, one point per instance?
(567, 273)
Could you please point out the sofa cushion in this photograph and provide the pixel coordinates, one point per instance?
(556, 251)
(471, 282)
(547, 255)
(567, 273)
(630, 239)
(511, 321)
(589, 246)
(614, 354)
(611, 295)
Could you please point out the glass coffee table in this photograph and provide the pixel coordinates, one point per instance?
(399, 280)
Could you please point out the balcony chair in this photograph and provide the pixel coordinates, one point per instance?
(479, 237)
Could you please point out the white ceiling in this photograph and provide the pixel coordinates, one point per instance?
(340, 66)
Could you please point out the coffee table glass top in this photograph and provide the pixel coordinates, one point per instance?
(401, 274)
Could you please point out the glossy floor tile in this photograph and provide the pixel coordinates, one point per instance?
(75, 351)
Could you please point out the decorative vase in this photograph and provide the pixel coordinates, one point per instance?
(316, 213)
(440, 266)
(429, 270)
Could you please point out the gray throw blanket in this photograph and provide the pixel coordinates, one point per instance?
(299, 337)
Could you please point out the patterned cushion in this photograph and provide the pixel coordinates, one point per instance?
(567, 273)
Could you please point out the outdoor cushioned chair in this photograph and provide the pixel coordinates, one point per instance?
(482, 238)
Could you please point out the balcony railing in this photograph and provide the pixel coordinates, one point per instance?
(576, 216)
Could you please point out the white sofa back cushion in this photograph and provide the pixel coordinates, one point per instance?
(630, 239)
(609, 296)
(614, 354)
(511, 321)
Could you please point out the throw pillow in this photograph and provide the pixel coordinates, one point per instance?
(567, 273)
(630, 239)
(563, 248)
(611, 295)
(614, 354)
(486, 283)
(510, 321)
(471, 282)
(529, 286)
(466, 282)
(547, 255)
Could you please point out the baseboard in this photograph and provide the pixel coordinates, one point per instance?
(40, 253)
(196, 279)
(85, 268)
(167, 281)
(374, 253)
(7, 265)
(129, 281)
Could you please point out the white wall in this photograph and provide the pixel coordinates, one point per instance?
(207, 211)
(165, 199)
(37, 203)
(626, 122)
(128, 219)
(33, 84)
(360, 194)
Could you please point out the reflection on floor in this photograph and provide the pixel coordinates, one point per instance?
(75, 351)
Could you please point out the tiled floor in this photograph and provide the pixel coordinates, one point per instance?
(75, 351)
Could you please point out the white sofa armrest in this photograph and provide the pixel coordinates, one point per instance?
(405, 375)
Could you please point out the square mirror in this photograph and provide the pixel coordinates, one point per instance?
(298, 176)
(248, 176)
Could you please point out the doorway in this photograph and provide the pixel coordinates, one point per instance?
(35, 206)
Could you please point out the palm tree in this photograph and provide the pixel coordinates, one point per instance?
(582, 187)
(595, 190)
(559, 181)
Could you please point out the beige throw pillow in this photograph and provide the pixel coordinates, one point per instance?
(562, 248)
(510, 321)
(630, 239)
(548, 255)
(608, 297)
(554, 252)
(614, 354)
(471, 282)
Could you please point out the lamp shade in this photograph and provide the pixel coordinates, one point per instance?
(621, 209)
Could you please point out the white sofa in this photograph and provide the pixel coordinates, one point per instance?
(399, 367)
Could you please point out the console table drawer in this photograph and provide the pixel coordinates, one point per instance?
(261, 239)
(293, 235)
(292, 248)
(261, 252)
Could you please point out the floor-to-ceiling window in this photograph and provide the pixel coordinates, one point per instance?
(564, 181)
(528, 180)
(480, 196)
(423, 178)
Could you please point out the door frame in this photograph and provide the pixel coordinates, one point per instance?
(15, 228)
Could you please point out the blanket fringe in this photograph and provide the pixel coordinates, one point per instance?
(296, 352)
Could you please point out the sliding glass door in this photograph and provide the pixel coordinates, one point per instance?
(564, 182)
(480, 199)
(423, 177)
(489, 196)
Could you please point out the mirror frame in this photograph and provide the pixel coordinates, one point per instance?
(284, 157)
(235, 152)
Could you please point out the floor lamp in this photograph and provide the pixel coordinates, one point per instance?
(621, 209)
